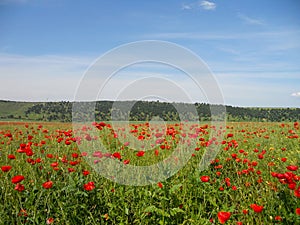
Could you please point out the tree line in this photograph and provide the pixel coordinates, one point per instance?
(147, 110)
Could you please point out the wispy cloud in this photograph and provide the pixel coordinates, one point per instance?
(229, 50)
(279, 34)
(186, 6)
(57, 77)
(208, 5)
(296, 94)
(43, 77)
(249, 20)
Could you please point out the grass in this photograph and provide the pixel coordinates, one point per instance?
(238, 177)
(14, 108)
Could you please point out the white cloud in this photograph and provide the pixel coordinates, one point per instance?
(56, 78)
(281, 35)
(38, 78)
(186, 6)
(244, 89)
(208, 5)
(249, 20)
(296, 94)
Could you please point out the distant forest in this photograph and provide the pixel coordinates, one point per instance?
(143, 111)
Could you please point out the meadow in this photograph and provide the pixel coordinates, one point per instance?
(46, 177)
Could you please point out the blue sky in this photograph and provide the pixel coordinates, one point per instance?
(252, 47)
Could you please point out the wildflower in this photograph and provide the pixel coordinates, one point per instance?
(47, 184)
(257, 208)
(85, 172)
(126, 161)
(292, 168)
(205, 178)
(19, 187)
(89, 186)
(117, 155)
(223, 216)
(278, 218)
(5, 168)
(140, 153)
(49, 220)
(160, 185)
(17, 179)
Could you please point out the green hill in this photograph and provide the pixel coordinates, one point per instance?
(140, 111)
(13, 110)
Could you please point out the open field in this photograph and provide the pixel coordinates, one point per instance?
(50, 174)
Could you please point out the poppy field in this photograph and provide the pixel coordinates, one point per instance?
(46, 178)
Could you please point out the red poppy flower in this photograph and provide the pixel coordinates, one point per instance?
(50, 156)
(256, 150)
(297, 192)
(298, 211)
(17, 179)
(257, 208)
(254, 163)
(55, 164)
(140, 154)
(89, 186)
(245, 211)
(38, 160)
(160, 185)
(117, 155)
(85, 172)
(71, 170)
(292, 186)
(11, 156)
(73, 163)
(75, 155)
(205, 178)
(5, 168)
(49, 221)
(229, 135)
(260, 156)
(29, 152)
(274, 174)
(20, 187)
(48, 184)
(292, 168)
(239, 223)
(23, 213)
(126, 161)
(223, 216)
(278, 218)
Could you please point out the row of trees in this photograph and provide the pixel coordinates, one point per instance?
(146, 110)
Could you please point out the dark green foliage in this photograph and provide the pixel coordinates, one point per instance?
(141, 111)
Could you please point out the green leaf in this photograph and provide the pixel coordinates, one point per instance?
(126, 211)
(151, 209)
(174, 211)
(175, 188)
